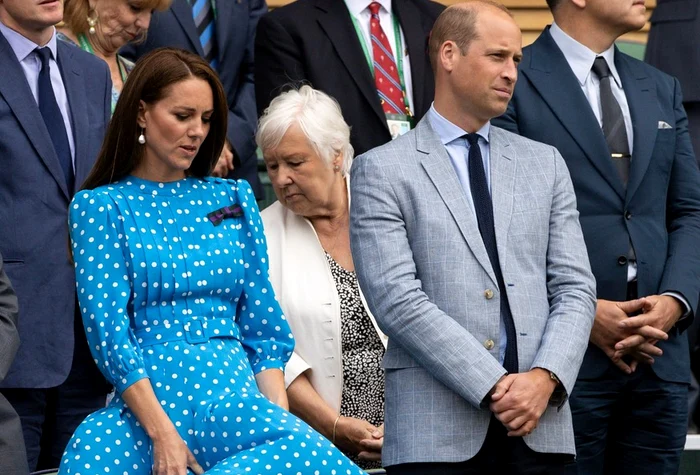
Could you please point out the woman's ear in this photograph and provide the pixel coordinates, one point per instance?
(141, 117)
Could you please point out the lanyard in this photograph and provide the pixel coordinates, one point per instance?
(399, 56)
(87, 47)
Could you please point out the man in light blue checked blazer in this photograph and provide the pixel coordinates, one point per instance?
(468, 248)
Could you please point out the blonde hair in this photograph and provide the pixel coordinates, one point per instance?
(76, 12)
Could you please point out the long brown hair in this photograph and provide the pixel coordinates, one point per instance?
(150, 81)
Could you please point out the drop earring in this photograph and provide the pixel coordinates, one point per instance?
(142, 138)
(92, 22)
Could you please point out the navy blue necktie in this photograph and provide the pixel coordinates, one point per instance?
(484, 217)
(53, 118)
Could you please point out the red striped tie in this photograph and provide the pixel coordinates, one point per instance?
(386, 75)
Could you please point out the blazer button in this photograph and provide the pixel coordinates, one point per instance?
(489, 344)
(628, 215)
(488, 293)
(622, 261)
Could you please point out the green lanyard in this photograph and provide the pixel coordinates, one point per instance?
(87, 47)
(399, 56)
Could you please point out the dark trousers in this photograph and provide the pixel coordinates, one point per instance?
(50, 416)
(629, 424)
(693, 111)
(499, 454)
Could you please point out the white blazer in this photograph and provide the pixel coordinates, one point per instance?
(305, 289)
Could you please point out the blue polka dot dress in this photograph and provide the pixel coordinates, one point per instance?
(168, 295)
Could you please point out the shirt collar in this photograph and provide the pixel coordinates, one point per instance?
(580, 57)
(23, 46)
(358, 6)
(449, 132)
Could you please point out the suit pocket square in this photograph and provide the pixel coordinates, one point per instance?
(664, 125)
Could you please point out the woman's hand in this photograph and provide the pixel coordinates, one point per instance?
(373, 447)
(353, 435)
(171, 456)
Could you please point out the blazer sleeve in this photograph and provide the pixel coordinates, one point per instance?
(278, 61)
(242, 117)
(388, 277)
(682, 269)
(571, 287)
(9, 337)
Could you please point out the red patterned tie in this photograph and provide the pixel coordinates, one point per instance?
(386, 75)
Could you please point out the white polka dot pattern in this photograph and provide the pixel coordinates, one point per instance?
(167, 295)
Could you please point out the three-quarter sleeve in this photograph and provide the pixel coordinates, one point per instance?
(266, 335)
(104, 287)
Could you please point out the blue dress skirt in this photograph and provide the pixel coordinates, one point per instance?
(182, 298)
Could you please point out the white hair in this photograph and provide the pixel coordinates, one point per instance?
(318, 116)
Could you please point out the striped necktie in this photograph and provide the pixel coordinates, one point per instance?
(204, 21)
(386, 75)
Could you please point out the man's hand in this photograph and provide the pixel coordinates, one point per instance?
(225, 164)
(520, 407)
(661, 312)
(373, 447)
(607, 332)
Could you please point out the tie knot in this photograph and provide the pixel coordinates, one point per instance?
(374, 8)
(600, 67)
(44, 55)
(472, 139)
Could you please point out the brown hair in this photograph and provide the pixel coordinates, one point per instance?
(458, 24)
(76, 13)
(150, 81)
(552, 4)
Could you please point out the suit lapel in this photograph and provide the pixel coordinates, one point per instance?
(641, 97)
(74, 83)
(502, 183)
(334, 18)
(409, 19)
(562, 93)
(183, 13)
(439, 168)
(16, 92)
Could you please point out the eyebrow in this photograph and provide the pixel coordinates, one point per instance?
(193, 110)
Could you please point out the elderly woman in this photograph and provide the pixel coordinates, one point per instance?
(334, 379)
(102, 27)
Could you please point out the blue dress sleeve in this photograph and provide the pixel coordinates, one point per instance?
(104, 287)
(266, 335)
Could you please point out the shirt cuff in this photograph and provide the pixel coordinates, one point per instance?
(683, 301)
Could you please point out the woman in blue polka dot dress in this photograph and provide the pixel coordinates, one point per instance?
(172, 281)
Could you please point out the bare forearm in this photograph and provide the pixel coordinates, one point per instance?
(143, 403)
(271, 384)
(306, 403)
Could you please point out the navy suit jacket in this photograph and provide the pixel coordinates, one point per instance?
(34, 207)
(660, 210)
(236, 22)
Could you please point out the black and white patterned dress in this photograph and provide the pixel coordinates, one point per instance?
(362, 352)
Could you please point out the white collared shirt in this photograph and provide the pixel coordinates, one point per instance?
(359, 9)
(580, 59)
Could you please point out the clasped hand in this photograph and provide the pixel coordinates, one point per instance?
(519, 400)
(359, 437)
(619, 335)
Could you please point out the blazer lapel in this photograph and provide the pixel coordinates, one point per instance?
(643, 104)
(502, 183)
(16, 92)
(439, 168)
(409, 19)
(74, 83)
(335, 20)
(183, 13)
(562, 93)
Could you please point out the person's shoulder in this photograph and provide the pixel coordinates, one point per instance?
(84, 62)
(429, 7)
(640, 68)
(520, 144)
(393, 155)
(291, 11)
(239, 188)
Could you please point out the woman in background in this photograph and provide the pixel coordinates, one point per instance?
(171, 271)
(335, 379)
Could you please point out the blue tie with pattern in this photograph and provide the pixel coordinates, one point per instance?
(204, 21)
(484, 217)
(48, 106)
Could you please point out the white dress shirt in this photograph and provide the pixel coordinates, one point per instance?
(359, 9)
(24, 50)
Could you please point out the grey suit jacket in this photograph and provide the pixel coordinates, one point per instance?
(424, 270)
(13, 459)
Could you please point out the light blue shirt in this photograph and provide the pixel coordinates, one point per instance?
(452, 137)
(24, 50)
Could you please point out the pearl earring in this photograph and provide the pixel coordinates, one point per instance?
(336, 168)
(92, 23)
(142, 138)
